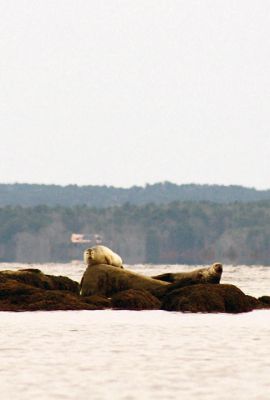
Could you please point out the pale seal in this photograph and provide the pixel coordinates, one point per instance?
(102, 255)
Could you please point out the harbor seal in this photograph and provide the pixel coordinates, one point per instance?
(210, 274)
(102, 255)
(106, 280)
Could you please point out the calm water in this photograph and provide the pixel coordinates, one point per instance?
(126, 355)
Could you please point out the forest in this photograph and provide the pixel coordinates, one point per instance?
(178, 232)
(31, 195)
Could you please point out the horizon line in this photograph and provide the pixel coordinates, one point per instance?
(135, 185)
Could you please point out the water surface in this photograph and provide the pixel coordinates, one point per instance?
(128, 355)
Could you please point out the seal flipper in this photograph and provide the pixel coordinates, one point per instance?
(164, 290)
(80, 285)
(108, 260)
(168, 277)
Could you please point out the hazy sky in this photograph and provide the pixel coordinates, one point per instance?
(133, 92)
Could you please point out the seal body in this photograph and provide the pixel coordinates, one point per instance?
(210, 274)
(105, 280)
(102, 255)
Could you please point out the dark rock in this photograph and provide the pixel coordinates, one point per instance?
(31, 290)
(265, 300)
(254, 303)
(63, 283)
(208, 298)
(135, 299)
(34, 277)
(18, 296)
(34, 291)
(162, 291)
(34, 270)
(99, 301)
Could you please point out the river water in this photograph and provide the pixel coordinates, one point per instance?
(130, 355)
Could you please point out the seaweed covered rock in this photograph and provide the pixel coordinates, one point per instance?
(31, 290)
(264, 300)
(18, 296)
(135, 299)
(101, 302)
(34, 277)
(208, 298)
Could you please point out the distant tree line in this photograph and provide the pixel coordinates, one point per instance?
(178, 232)
(31, 195)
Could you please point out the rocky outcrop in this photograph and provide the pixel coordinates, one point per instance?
(31, 290)
(36, 278)
(100, 302)
(17, 296)
(133, 299)
(207, 298)
(265, 300)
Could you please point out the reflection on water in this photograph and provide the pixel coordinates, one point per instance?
(126, 355)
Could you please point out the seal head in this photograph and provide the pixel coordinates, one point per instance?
(102, 255)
